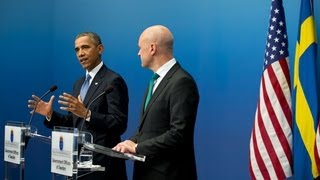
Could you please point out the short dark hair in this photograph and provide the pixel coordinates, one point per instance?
(93, 36)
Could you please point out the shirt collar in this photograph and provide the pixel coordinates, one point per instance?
(95, 70)
(163, 70)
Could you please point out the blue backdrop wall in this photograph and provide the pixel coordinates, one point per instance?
(221, 43)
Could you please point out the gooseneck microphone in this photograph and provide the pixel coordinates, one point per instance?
(107, 90)
(53, 88)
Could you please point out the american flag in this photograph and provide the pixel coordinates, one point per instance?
(271, 137)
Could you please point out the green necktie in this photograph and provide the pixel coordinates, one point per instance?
(155, 76)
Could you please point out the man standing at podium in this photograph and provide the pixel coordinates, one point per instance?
(98, 104)
(168, 116)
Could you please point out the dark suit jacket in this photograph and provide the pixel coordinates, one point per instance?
(166, 130)
(108, 119)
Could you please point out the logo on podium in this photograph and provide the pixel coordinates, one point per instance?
(11, 136)
(61, 143)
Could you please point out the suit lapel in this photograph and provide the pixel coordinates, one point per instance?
(91, 91)
(94, 85)
(158, 91)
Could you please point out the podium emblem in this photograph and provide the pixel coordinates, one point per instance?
(11, 136)
(61, 143)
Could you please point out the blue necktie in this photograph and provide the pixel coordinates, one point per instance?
(85, 87)
(155, 76)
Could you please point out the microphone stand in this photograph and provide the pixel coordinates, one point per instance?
(53, 88)
(106, 91)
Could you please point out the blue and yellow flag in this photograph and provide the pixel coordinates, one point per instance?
(305, 97)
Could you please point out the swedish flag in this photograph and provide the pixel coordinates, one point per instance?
(305, 97)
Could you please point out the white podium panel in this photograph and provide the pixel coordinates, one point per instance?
(14, 147)
(62, 153)
(13, 144)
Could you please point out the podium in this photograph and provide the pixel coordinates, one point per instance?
(16, 138)
(65, 157)
(67, 161)
(64, 152)
(14, 147)
(112, 153)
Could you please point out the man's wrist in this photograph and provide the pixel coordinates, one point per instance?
(48, 118)
(135, 148)
(49, 115)
(88, 115)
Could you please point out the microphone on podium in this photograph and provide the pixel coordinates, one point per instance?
(107, 90)
(52, 88)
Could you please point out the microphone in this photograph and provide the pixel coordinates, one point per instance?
(53, 88)
(107, 90)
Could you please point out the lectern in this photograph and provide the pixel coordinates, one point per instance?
(16, 138)
(65, 157)
(14, 147)
(67, 160)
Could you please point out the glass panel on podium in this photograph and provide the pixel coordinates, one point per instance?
(112, 153)
(66, 161)
(85, 166)
(32, 132)
(14, 150)
(17, 136)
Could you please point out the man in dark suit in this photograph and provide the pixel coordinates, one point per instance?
(167, 120)
(106, 118)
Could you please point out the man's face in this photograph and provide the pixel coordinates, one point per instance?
(144, 52)
(88, 52)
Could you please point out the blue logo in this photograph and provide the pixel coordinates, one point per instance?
(61, 143)
(11, 135)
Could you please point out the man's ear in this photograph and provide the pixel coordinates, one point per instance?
(100, 48)
(153, 48)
